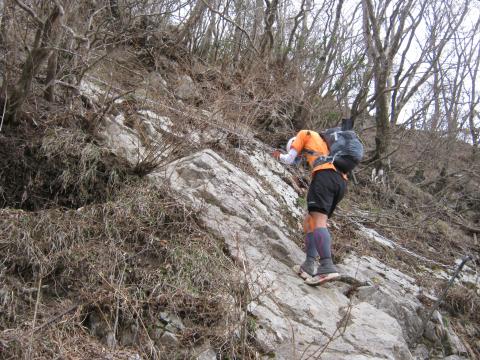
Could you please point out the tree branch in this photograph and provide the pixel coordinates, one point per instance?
(233, 23)
(30, 11)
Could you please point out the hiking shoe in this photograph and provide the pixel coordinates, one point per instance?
(302, 273)
(321, 279)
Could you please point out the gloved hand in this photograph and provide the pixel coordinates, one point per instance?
(276, 154)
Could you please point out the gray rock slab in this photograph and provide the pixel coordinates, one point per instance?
(421, 352)
(394, 292)
(121, 140)
(292, 318)
(174, 323)
(208, 354)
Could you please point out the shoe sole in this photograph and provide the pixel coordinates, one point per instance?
(313, 282)
(298, 270)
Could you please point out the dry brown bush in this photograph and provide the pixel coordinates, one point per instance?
(463, 301)
(109, 270)
(55, 166)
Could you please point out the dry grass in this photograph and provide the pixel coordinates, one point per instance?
(464, 302)
(108, 270)
(55, 166)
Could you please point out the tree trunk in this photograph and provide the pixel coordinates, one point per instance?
(8, 14)
(297, 21)
(35, 59)
(237, 36)
(382, 137)
(473, 112)
(195, 17)
(257, 23)
(302, 38)
(51, 76)
(206, 42)
(114, 9)
(267, 42)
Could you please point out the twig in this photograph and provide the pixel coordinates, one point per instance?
(442, 295)
(35, 313)
(117, 310)
(55, 318)
(30, 11)
(37, 302)
(4, 109)
(192, 116)
(234, 23)
(467, 227)
(339, 331)
(343, 323)
(437, 179)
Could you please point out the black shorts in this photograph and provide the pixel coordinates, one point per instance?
(325, 192)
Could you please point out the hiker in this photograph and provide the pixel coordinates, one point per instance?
(326, 189)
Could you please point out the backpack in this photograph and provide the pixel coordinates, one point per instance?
(346, 149)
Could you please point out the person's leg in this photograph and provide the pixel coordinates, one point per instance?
(309, 265)
(326, 190)
(323, 243)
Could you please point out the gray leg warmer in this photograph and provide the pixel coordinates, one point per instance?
(323, 243)
(311, 250)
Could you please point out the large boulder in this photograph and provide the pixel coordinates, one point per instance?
(291, 318)
(152, 86)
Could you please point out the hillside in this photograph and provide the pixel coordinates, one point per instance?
(146, 219)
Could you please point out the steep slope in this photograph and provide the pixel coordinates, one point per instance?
(292, 318)
(253, 213)
(185, 247)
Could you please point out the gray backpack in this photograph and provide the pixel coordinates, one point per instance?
(346, 149)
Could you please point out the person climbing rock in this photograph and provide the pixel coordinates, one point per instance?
(327, 188)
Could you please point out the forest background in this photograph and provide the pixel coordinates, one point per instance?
(406, 71)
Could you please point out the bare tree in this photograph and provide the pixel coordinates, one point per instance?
(6, 18)
(298, 20)
(270, 15)
(194, 18)
(329, 49)
(257, 23)
(46, 34)
(237, 36)
(473, 95)
(207, 39)
(51, 76)
(407, 80)
(383, 38)
(114, 9)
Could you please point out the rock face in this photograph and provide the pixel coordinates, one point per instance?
(377, 321)
(122, 140)
(292, 318)
(393, 292)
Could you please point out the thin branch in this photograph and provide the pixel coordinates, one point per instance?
(442, 295)
(4, 109)
(372, 161)
(30, 11)
(55, 318)
(223, 16)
